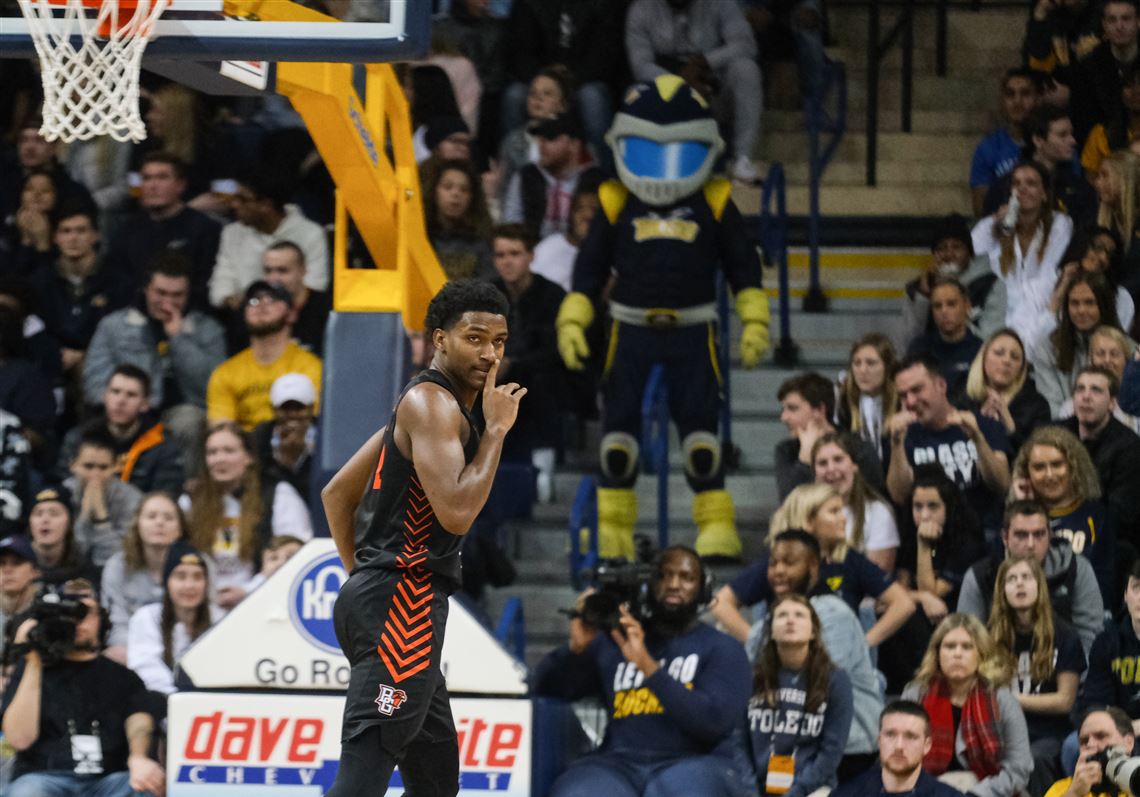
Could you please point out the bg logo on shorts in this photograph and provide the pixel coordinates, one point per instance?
(390, 699)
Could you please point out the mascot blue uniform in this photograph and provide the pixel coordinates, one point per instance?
(664, 231)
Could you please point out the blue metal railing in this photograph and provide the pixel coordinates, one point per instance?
(511, 630)
(655, 445)
(772, 233)
(583, 518)
(821, 123)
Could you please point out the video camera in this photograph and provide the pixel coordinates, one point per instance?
(1120, 769)
(54, 635)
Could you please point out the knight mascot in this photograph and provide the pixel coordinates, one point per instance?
(665, 228)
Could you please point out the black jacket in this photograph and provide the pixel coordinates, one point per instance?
(585, 35)
(1096, 91)
(1116, 455)
(1111, 679)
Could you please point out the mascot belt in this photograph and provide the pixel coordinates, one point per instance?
(663, 316)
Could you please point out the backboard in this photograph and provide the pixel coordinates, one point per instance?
(268, 30)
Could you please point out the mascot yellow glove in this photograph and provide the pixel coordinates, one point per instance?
(575, 314)
(752, 307)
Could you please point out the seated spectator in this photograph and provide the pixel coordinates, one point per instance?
(675, 688)
(278, 551)
(51, 528)
(952, 255)
(177, 123)
(1109, 348)
(950, 341)
(239, 387)
(1118, 188)
(102, 506)
(539, 193)
(27, 240)
(25, 393)
(999, 386)
(159, 633)
(1096, 251)
(1096, 79)
(1120, 131)
(555, 254)
(801, 709)
(1000, 150)
(716, 56)
(530, 356)
(870, 523)
(19, 572)
(284, 264)
(1055, 469)
(448, 139)
(1114, 657)
(807, 404)
(1046, 659)
(792, 567)
(264, 217)
(905, 739)
(976, 722)
(1100, 728)
(947, 540)
(458, 223)
(164, 223)
(33, 152)
(973, 451)
(548, 95)
(867, 397)
(1087, 304)
(1072, 584)
(285, 444)
(1049, 142)
(73, 294)
(145, 455)
(177, 347)
(1026, 255)
(15, 474)
(232, 514)
(96, 742)
(132, 577)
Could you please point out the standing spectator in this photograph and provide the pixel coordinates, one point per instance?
(1046, 658)
(1027, 255)
(539, 193)
(1000, 387)
(1114, 657)
(1095, 251)
(1115, 133)
(952, 255)
(285, 444)
(53, 735)
(132, 577)
(1097, 78)
(239, 387)
(264, 217)
(51, 527)
(284, 264)
(867, 397)
(1000, 150)
(951, 342)
(549, 94)
(973, 451)
(555, 254)
(800, 713)
(458, 222)
(145, 456)
(964, 672)
(164, 223)
(102, 506)
(710, 45)
(19, 572)
(1117, 185)
(1073, 589)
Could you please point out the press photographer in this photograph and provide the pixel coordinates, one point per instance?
(673, 686)
(76, 719)
(1100, 773)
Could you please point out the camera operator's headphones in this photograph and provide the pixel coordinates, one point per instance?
(708, 580)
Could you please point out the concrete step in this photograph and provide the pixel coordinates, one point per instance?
(922, 121)
(960, 60)
(916, 149)
(991, 28)
(858, 200)
(905, 174)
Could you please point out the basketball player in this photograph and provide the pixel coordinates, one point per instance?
(424, 478)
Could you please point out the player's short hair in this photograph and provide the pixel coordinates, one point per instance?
(463, 296)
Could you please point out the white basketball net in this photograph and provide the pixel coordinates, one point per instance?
(92, 90)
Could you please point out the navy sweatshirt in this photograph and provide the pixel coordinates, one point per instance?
(1114, 670)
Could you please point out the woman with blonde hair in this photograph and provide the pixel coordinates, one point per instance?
(1117, 184)
(1111, 349)
(1026, 255)
(999, 386)
(976, 724)
(1046, 659)
(867, 392)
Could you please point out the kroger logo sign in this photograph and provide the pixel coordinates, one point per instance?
(311, 600)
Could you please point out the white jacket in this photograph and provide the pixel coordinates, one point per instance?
(144, 646)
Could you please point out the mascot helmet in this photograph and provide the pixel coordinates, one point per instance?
(664, 140)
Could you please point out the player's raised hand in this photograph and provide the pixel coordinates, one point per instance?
(500, 402)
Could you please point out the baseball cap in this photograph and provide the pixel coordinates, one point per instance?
(56, 492)
(441, 127)
(292, 387)
(262, 287)
(564, 124)
(181, 553)
(21, 546)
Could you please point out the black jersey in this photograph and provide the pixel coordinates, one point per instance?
(396, 527)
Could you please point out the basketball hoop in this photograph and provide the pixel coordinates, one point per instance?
(93, 89)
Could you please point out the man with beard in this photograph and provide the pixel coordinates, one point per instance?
(675, 687)
(239, 387)
(904, 739)
(80, 724)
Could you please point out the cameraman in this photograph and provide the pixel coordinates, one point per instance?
(1100, 729)
(79, 725)
(675, 688)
